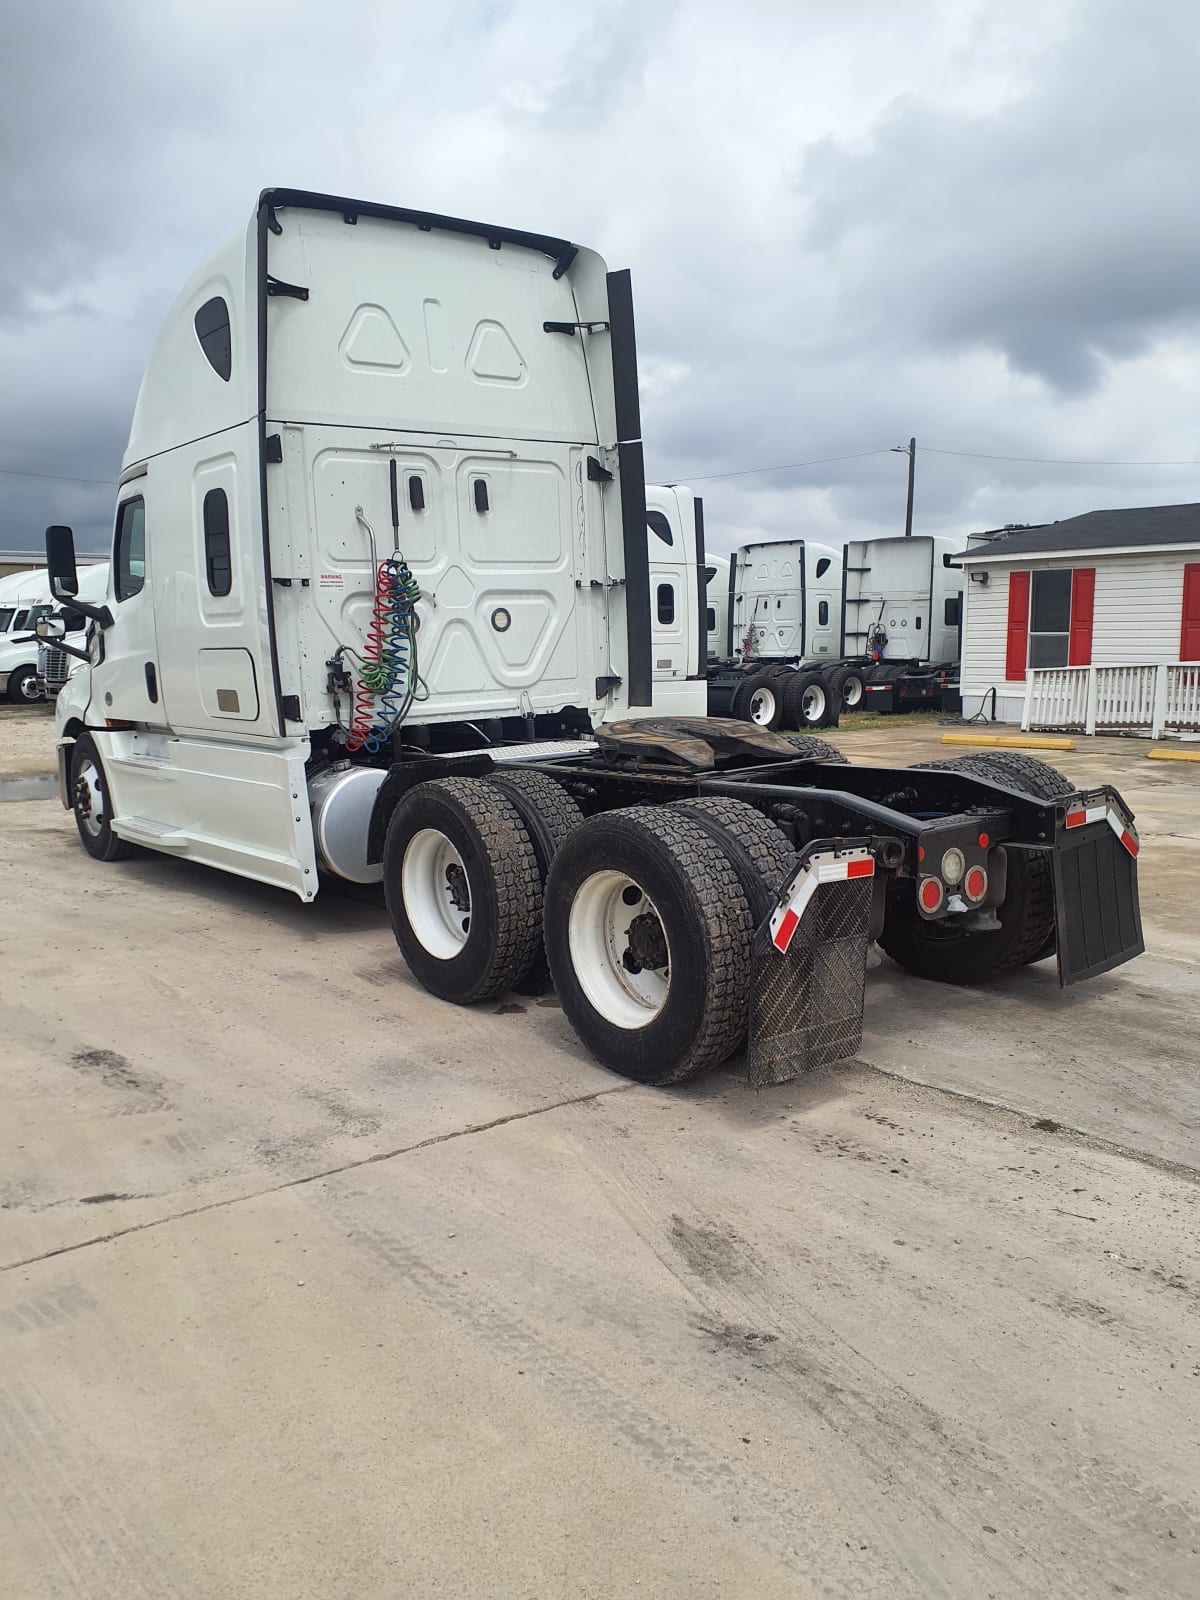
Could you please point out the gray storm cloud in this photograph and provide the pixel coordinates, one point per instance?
(846, 225)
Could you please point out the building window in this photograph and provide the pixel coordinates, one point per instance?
(1050, 619)
(213, 332)
(217, 563)
(822, 613)
(659, 525)
(666, 602)
(129, 556)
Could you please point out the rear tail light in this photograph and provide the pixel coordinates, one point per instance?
(930, 894)
(975, 883)
(954, 864)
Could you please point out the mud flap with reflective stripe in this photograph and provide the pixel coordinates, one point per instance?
(1097, 917)
(809, 966)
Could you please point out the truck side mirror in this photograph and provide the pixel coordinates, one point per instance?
(60, 563)
(50, 629)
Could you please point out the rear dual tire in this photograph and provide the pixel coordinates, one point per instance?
(648, 933)
(943, 951)
(811, 700)
(760, 700)
(646, 915)
(463, 889)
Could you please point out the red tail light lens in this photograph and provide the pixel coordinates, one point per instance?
(930, 894)
(975, 883)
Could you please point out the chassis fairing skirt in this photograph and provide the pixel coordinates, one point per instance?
(806, 1004)
(1097, 916)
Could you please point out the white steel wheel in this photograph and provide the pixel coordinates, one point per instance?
(813, 703)
(88, 797)
(619, 950)
(764, 707)
(436, 893)
(852, 691)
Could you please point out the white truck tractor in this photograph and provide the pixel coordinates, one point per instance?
(901, 624)
(784, 625)
(716, 621)
(379, 609)
(764, 635)
(25, 599)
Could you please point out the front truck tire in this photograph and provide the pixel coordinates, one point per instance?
(648, 933)
(91, 806)
(1026, 933)
(22, 687)
(463, 891)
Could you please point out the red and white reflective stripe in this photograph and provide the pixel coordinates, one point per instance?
(823, 868)
(1080, 817)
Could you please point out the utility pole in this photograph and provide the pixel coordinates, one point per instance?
(911, 453)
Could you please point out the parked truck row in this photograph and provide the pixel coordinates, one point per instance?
(795, 629)
(382, 605)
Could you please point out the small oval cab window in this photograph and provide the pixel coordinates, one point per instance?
(212, 330)
(501, 620)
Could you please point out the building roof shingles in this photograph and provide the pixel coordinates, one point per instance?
(1098, 530)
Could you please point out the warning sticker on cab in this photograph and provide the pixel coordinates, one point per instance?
(331, 580)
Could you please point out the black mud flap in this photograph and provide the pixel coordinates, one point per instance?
(807, 980)
(1097, 917)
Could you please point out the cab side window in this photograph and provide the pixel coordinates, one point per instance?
(129, 552)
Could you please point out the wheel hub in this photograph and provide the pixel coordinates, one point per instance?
(89, 801)
(459, 890)
(647, 947)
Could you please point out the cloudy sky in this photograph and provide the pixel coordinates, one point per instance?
(847, 223)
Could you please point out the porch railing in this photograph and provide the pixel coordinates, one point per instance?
(1152, 698)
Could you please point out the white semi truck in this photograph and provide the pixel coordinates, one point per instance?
(25, 598)
(901, 623)
(784, 625)
(775, 606)
(379, 607)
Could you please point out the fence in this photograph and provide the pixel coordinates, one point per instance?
(1153, 698)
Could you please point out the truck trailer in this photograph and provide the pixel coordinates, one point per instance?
(379, 609)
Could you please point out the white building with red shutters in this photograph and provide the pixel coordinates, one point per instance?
(1091, 624)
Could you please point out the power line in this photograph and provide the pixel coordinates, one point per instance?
(752, 472)
(788, 466)
(54, 477)
(1054, 461)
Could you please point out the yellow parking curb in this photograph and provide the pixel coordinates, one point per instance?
(1015, 742)
(1172, 755)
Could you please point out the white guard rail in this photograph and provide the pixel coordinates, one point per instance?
(1154, 698)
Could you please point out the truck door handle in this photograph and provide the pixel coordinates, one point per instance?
(152, 683)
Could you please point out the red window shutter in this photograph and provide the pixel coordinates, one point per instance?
(1189, 638)
(1018, 626)
(1083, 597)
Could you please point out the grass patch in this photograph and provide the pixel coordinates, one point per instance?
(877, 722)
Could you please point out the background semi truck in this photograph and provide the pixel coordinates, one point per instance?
(789, 594)
(25, 598)
(901, 622)
(379, 608)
